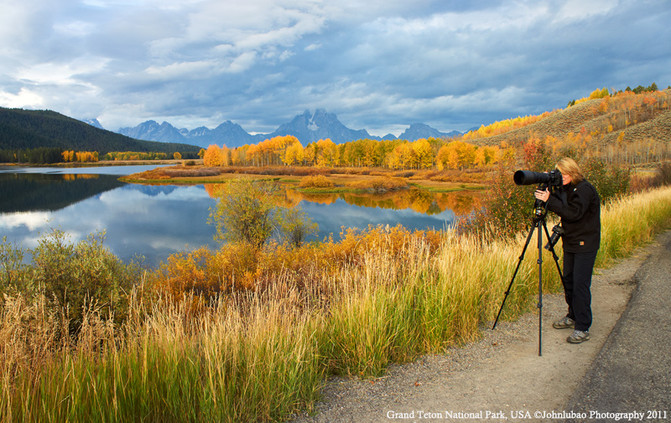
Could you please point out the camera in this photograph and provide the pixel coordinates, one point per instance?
(557, 232)
(527, 177)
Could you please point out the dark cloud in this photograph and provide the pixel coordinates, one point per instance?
(380, 66)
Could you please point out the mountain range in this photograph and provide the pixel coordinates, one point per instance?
(307, 127)
(29, 129)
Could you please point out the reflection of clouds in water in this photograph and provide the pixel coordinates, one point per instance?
(159, 221)
(30, 220)
(153, 223)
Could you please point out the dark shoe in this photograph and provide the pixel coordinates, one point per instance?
(578, 337)
(564, 323)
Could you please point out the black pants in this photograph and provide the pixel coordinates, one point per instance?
(577, 283)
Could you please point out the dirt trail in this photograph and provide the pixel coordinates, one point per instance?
(500, 377)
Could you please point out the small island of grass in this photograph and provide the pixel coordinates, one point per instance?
(317, 180)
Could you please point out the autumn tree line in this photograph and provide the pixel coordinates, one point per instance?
(49, 155)
(393, 154)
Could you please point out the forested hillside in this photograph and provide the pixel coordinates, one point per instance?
(28, 129)
(626, 127)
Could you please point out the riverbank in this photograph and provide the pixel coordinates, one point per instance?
(340, 179)
(101, 163)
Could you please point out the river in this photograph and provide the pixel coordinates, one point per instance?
(150, 222)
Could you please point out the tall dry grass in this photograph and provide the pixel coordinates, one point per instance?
(631, 221)
(263, 355)
(252, 363)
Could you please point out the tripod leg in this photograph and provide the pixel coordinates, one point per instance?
(519, 263)
(540, 285)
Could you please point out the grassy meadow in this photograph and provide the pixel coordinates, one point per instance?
(262, 354)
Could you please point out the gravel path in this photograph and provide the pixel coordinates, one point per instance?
(498, 378)
(632, 373)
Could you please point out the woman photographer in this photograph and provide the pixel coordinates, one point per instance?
(577, 203)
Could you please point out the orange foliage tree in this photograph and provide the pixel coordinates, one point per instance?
(216, 156)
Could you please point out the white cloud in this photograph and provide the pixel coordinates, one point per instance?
(580, 10)
(75, 28)
(185, 70)
(242, 63)
(62, 73)
(25, 98)
(258, 62)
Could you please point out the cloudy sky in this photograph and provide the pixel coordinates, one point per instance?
(378, 65)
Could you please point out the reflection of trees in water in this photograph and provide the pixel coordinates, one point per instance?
(421, 201)
(460, 202)
(214, 190)
(37, 191)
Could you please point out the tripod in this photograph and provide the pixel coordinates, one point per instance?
(540, 213)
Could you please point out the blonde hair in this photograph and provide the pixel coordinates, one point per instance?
(569, 167)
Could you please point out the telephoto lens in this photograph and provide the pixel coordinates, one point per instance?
(528, 177)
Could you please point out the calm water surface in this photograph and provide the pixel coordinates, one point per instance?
(156, 221)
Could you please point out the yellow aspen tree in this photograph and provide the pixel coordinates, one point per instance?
(422, 154)
(294, 154)
(327, 153)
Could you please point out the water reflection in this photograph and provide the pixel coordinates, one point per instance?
(412, 208)
(35, 191)
(420, 201)
(96, 170)
(334, 216)
(156, 221)
(153, 222)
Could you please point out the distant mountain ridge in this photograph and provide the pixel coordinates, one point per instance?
(421, 130)
(307, 127)
(28, 129)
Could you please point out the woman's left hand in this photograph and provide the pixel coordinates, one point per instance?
(542, 195)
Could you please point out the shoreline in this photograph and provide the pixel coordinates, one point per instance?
(363, 180)
(101, 163)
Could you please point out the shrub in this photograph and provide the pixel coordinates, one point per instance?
(611, 181)
(508, 210)
(663, 174)
(295, 226)
(186, 273)
(14, 276)
(247, 212)
(76, 276)
(244, 212)
(316, 181)
(380, 184)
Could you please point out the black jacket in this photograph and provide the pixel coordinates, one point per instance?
(580, 212)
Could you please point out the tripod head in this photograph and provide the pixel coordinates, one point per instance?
(541, 207)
